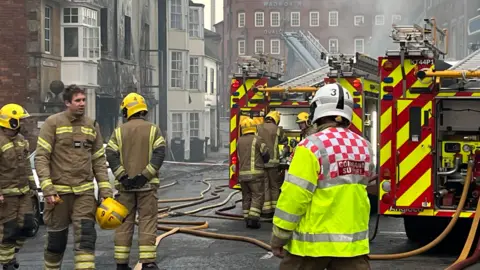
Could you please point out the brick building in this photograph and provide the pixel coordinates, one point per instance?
(342, 26)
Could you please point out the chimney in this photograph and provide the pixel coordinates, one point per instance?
(212, 14)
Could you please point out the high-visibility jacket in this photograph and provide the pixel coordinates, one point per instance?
(323, 209)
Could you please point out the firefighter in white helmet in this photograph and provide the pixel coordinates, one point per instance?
(322, 215)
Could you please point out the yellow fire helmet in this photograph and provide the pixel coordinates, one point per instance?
(111, 214)
(11, 114)
(302, 117)
(248, 126)
(275, 116)
(132, 104)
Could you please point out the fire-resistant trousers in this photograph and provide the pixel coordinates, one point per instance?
(79, 210)
(16, 225)
(253, 194)
(294, 262)
(272, 190)
(145, 202)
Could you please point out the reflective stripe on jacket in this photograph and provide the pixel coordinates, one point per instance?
(16, 176)
(250, 149)
(323, 209)
(70, 154)
(136, 147)
(273, 135)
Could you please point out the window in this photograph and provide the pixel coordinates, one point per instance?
(212, 80)
(333, 45)
(275, 46)
(194, 125)
(176, 14)
(259, 19)
(194, 23)
(194, 72)
(314, 18)
(259, 46)
(241, 47)
(379, 20)
(241, 19)
(333, 18)
(81, 33)
(177, 130)
(295, 19)
(176, 70)
(205, 83)
(128, 38)
(104, 27)
(396, 18)
(47, 28)
(275, 19)
(359, 45)
(358, 20)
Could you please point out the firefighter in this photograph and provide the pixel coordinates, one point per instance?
(69, 153)
(135, 152)
(273, 135)
(17, 221)
(305, 125)
(323, 211)
(252, 155)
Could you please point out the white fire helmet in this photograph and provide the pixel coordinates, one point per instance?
(331, 100)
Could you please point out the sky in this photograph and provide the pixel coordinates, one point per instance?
(208, 8)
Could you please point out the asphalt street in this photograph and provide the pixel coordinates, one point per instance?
(181, 251)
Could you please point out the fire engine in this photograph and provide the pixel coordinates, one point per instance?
(427, 131)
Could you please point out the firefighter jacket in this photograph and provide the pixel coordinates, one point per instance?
(136, 147)
(273, 135)
(323, 209)
(252, 151)
(308, 131)
(69, 155)
(16, 176)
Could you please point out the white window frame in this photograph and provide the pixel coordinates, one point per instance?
(355, 45)
(192, 128)
(259, 19)
(194, 72)
(312, 19)
(272, 42)
(292, 14)
(241, 19)
(331, 18)
(262, 42)
(88, 32)
(194, 24)
(379, 20)
(396, 18)
(240, 44)
(330, 45)
(177, 125)
(177, 71)
(358, 20)
(47, 30)
(176, 14)
(272, 19)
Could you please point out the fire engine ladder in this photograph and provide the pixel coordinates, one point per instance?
(313, 78)
(305, 46)
(360, 65)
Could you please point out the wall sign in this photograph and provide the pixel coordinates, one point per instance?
(283, 4)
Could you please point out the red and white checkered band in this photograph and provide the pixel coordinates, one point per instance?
(340, 144)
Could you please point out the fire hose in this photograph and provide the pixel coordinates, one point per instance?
(195, 226)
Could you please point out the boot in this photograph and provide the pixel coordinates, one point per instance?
(150, 266)
(123, 267)
(13, 265)
(255, 224)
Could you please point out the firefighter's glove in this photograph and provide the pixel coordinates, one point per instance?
(139, 181)
(126, 182)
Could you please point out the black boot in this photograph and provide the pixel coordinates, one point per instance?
(152, 266)
(255, 224)
(13, 265)
(123, 267)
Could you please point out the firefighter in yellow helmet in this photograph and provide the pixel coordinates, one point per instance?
(273, 135)
(69, 155)
(135, 153)
(323, 211)
(305, 125)
(252, 155)
(17, 221)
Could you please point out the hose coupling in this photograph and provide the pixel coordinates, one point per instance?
(175, 214)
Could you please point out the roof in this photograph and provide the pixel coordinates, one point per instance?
(471, 62)
(209, 33)
(192, 4)
(212, 43)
